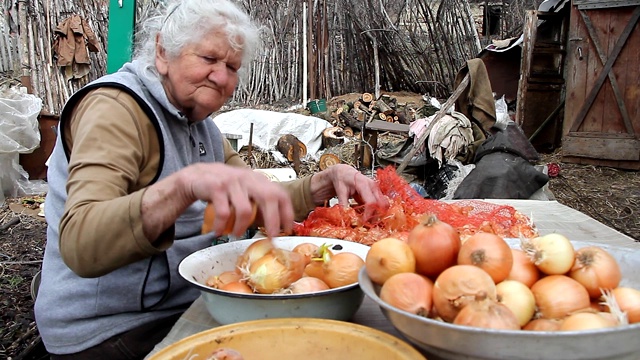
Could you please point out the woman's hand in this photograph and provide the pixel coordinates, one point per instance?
(345, 182)
(229, 189)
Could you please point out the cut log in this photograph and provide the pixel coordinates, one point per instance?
(367, 98)
(327, 160)
(389, 118)
(382, 116)
(332, 136)
(293, 149)
(349, 120)
(348, 131)
(382, 107)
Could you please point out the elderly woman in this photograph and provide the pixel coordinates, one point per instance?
(136, 162)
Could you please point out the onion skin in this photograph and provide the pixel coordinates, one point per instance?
(275, 271)
(488, 314)
(523, 269)
(253, 252)
(435, 245)
(489, 252)
(595, 269)
(543, 325)
(237, 287)
(225, 354)
(518, 298)
(387, 257)
(586, 321)
(218, 281)
(628, 300)
(459, 285)
(342, 269)
(553, 254)
(410, 292)
(308, 250)
(307, 285)
(558, 296)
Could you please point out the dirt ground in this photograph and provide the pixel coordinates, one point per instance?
(609, 195)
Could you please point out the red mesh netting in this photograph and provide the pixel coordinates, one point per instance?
(407, 207)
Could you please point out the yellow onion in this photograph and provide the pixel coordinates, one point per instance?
(553, 253)
(628, 300)
(217, 281)
(558, 296)
(274, 271)
(306, 285)
(435, 245)
(410, 292)
(459, 285)
(596, 270)
(387, 257)
(342, 269)
(253, 252)
(586, 321)
(543, 325)
(523, 269)
(487, 313)
(489, 252)
(237, 287)
(518, 298)
(308, 250)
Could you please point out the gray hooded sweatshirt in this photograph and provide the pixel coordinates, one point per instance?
(75, 313)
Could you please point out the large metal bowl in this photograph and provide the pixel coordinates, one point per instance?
(228, 307)
(442, 340)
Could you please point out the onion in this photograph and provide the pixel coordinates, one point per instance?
(210, 216)
(459, 285)
(410, 292)
(306, 285)
(558, 296)
(253, 252)
(595, 269)
(489, 252)
(274, 271)
(518, 298)
(387, 257)
(308, 250)
(487, 313)
(523, 269)
(435, 245)
(237, 287)
(586, 321)
(342, 269)
(628, 300)
(543, 325)
(553, 254)
(217, 281)
(314, 269)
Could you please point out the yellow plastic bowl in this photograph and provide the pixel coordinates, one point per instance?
(293, 339)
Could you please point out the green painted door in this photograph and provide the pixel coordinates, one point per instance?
(120, 41)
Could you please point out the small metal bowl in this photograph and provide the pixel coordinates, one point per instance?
(228, 307)
(442, 340)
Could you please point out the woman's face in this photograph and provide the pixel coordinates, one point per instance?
(201, 79)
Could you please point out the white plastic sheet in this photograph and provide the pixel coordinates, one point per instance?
(269, 126)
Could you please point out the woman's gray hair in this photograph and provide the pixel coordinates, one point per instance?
(183, 22)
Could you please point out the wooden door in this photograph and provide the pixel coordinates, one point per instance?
(602, 109)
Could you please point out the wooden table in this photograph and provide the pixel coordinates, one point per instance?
(548, 216)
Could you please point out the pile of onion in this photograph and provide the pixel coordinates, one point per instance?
(546, 285)
(307, 268)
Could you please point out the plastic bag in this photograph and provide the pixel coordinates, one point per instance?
(502, 114)
(19, 121)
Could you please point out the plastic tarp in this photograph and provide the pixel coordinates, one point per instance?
(269, 126)
(19, 134)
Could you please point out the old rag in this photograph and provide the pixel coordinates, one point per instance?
(74, 38)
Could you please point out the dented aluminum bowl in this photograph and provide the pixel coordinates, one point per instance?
(227, 307)
(442, 340)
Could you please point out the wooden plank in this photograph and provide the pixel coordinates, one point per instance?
(605, 70)
(379, 125)
(530, 29)
(601, 4)
(600, 148)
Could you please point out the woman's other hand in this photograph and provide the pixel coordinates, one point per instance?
(345, 182)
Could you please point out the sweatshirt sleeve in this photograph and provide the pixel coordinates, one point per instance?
(112, 159)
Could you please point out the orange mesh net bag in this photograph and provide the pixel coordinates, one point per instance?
(406, 209)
